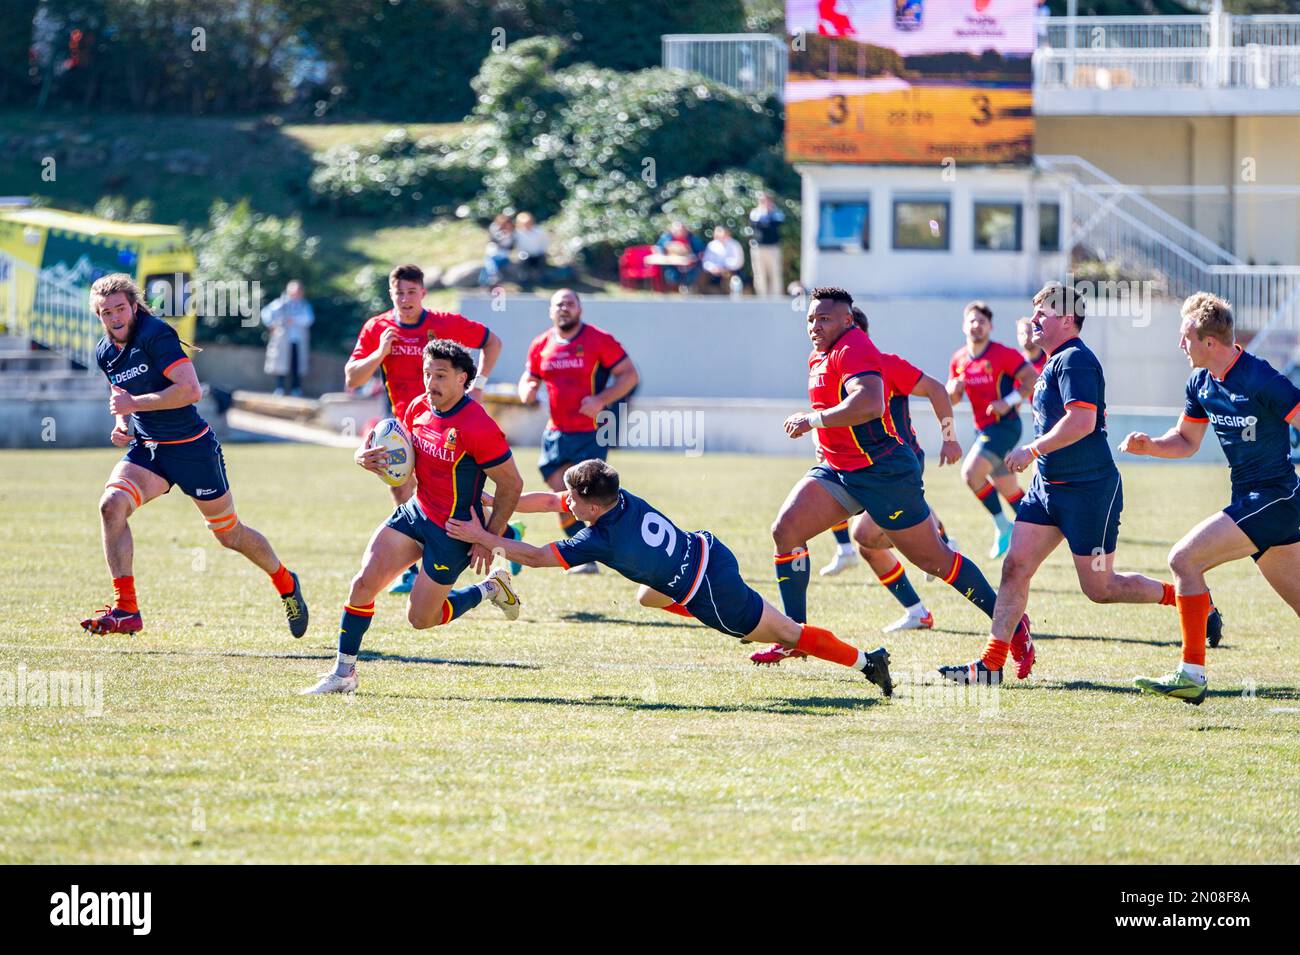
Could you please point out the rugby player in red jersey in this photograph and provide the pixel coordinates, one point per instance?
(996, 379)
(457, 446)
(863, 466)
(575, 360)
(154, 390)
(393, 343)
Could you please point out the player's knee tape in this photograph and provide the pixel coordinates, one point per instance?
(224, 524)
(129, 489)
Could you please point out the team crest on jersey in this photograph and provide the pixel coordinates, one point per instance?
(449, 439)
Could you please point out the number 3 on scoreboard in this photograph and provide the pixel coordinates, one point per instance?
(839, 110)
(655, 530)
(984, 116)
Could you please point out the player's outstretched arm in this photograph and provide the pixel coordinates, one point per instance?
(1180, 441)
(534, 502)
(471, 531)
(941, 402)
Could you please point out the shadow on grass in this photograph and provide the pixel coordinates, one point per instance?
(373, 655)
(590, 616)
(797, 706)
(1260, 692)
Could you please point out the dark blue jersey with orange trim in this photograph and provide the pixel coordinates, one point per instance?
(1248, 409)
(140, 368)
(848, 448)
(1072, 376)
(452, 450)
(641, 544)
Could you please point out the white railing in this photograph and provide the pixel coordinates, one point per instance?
(750, 62)
(1117, 225)
(1146, 33)
(1252, 67)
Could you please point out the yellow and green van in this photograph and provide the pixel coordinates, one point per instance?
(49, 258)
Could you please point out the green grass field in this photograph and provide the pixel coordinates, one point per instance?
(594, 730)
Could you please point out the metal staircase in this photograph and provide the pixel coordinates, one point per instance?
(1111, 222)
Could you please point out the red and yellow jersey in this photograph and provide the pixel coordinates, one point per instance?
(452, 450)
(988, 376)
(403, 369)
(854, 447)
(901, 376)
(573, 369)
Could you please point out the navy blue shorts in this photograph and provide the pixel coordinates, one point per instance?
(560, 448)
(999, 437)
(890, 490)
(445, 558)
(198, 467)
(920, 457)
(1087, 512)
(724, 601)
(1268, 515)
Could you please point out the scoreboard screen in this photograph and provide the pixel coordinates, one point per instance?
(910, 82)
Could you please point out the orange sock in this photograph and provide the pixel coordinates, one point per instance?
(995, 653)
(283, 581)
(679, 610)
(1193, 611)
(1167, 598)
(824, 645)
(124, 594)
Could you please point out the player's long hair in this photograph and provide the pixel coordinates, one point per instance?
(115, 282)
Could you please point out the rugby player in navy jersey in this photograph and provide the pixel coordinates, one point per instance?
(692, 574)
(153, 391)
(1250, 406)
(1076, 495)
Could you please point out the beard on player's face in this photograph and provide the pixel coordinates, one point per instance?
(117, 317)
(566, 317)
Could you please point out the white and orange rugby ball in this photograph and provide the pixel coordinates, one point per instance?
(392, 437)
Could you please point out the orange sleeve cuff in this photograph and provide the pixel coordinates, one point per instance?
(178, 361)
(1292, 413)
(1081, 404)
(558, 556)
(1207, 420)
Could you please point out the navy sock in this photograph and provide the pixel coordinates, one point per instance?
(461, 601)
(968, 580)
(353, 626)
(896, 583)
(792, 581)
(841, 532)
(989, 498)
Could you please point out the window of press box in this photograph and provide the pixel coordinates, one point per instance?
(997, 226)
(1049, 227)
(921, 224)
(844, 224)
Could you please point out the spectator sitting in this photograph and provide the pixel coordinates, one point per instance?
(289, 317)
(680, 241)
(501, 239)
(723, 258)
(531, 244)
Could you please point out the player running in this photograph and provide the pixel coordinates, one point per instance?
(996, 379)
(457, 447)
(153, 392)
(689, 574)
(902, 379)
(393, 343)
(1076, 494)
(864, 466)
(1250, 405)
(575, 360)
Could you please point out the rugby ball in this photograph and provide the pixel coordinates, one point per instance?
(392, 437)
